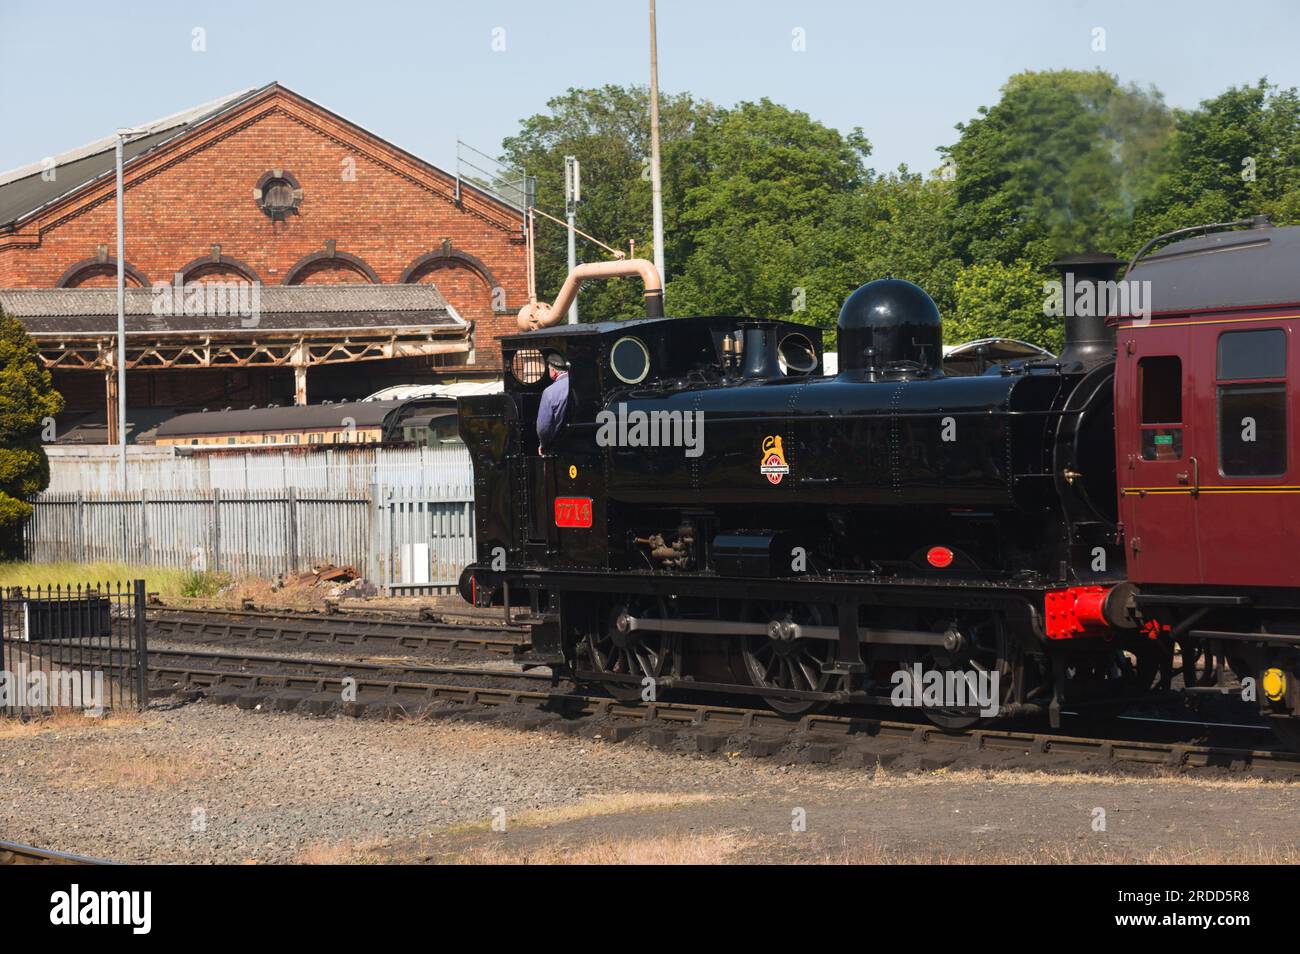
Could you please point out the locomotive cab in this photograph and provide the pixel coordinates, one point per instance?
(532, 516)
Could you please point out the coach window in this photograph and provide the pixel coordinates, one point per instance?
(1251, 392)
(1160, 384)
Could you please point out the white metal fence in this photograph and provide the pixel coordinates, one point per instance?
(165, 469)
(284, 514)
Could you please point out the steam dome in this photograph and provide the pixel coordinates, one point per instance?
(893, 319)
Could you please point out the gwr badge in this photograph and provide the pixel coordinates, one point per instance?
(772, 464)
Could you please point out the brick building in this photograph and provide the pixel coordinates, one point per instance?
(262, 188)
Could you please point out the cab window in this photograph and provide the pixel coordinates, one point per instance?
(1251, 403)
(1160, 389)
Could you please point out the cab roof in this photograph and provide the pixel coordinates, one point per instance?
(1248, 268)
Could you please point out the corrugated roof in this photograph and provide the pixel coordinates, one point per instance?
(279, 307)
(294, 418)
(23, 190)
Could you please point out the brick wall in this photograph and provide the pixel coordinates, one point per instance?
(370, 200)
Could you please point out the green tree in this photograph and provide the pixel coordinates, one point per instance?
(27, 403)
(608, 129)
(770, 196)
(1236, 155)
(898, 224)
(1056, 166)
(997, 300)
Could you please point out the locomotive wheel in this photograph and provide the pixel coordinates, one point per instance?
(984, 650)
(639, 653)
(773, 662)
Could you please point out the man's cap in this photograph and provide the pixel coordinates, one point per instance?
(556, 361)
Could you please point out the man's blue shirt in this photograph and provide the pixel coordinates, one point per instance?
(553, 410)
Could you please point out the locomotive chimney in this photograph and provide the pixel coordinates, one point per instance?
(1089, 295)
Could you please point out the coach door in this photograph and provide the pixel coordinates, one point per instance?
(1247, 494)
(1157, 445)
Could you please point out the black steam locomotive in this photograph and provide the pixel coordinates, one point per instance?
(720, 515)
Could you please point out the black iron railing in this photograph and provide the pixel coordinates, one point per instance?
(76, 647)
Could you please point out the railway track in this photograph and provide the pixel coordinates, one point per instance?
(317, 686)
(369, 632)
(12, 853)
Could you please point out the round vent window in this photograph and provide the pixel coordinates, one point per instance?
(629, 360)
(528, 366)
(278, 194)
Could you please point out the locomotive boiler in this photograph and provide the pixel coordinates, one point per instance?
(720, 515)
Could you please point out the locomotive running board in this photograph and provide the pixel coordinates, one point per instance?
(1273, 639)
(892, 637)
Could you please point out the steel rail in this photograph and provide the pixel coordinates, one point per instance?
(329, 630)
(837, 732)
(258, 664)
(13, 853)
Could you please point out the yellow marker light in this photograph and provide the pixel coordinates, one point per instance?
(1274, 684)
(573, 471)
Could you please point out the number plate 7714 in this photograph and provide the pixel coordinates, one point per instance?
(573, 511)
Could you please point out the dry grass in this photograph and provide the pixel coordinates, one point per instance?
(428, 730)
(72, 721)
(292, 594)
(1014, 776)
(345, 852)
(728, 846)
(599, 806)
(705, 848)
(102, 765)
(179, 587)
(1064, 853)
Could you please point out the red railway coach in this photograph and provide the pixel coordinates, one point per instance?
(1206, 455)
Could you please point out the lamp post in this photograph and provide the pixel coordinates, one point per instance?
(656, 183)
(122, 136)
(572, 196)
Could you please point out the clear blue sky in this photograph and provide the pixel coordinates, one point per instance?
(424, 74)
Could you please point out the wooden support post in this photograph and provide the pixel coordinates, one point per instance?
(110, 389)
(300, 374)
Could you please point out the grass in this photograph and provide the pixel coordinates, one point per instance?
(692, 849)
(1062, 853)
(169, 582)
(203, 584)
(103, 767)
(594, 807)
(731, 847)
(172, 584)
(71, 721)
(346, 852)
(704, 848)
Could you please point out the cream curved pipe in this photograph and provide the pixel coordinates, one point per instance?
(537, 314)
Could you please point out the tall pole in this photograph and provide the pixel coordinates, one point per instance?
(656, 184)
(121, 326)
(572, 194)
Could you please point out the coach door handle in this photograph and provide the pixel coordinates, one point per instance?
(1194, 474)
